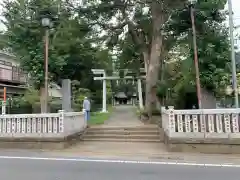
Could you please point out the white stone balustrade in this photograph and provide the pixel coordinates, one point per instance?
(49, 125)
(201, 123)
(74, 122)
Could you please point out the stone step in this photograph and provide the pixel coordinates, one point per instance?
(140, 140)
(123, 132)
(137, 128)
(117, 136)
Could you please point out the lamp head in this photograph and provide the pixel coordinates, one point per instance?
(192, 2)
(46, 22)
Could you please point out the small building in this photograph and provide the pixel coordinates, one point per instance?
(11, 75)
(55, 91)
(120, 98)
(123, 98)
(15, 79)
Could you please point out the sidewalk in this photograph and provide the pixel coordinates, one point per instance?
(140, 152)
(124, 116)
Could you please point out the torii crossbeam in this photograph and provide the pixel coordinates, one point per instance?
(104, 78)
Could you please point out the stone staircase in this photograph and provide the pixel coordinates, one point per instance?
(144, 133)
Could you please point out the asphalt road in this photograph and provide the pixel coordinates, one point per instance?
(44, 169)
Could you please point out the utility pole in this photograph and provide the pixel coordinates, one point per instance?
(46, 23)
(198, 84)
(46, 70)
(234, 73)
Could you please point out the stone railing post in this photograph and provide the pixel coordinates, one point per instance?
(62, 125)
(163, 119)
(171, 120)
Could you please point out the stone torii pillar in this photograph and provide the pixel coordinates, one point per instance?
(140, 96)
(104, 103)
(104, 95)
(104, 78)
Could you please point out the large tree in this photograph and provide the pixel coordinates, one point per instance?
(213, 51)
(144, 21)
(212, 42)
(154, 27)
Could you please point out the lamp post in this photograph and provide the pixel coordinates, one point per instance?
(198, 85)
(46, 24)
(234, 74)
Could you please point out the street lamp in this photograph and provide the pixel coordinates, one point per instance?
(46, 23)
(192, 2)
(198, 85)
(234, 74)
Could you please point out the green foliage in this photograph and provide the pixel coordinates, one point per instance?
(25, 34)
(109, 91)
(76, 28)
(30, 97)
(78, 93)
(211, 37)
(73, 47)
(213, 49)
(126, 87)
(130, 56)
(71, 54)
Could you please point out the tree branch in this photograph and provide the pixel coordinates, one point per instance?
(137, 35)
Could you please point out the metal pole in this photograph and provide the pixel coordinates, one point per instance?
(199, 95)
(46, 70)
(234, 73)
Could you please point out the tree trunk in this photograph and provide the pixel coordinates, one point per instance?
(146, 60)
(152, 76)
(153, 69)
(42, 100)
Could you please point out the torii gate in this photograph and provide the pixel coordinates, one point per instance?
(105, 77)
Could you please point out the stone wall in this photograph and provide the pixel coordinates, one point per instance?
(205, 145)
(50, 130)
(204, 131)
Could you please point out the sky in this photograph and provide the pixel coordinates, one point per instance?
(236, 20)
(236, 10)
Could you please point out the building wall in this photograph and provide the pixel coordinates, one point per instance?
(9, 58)
(10, 69)
(6, 74)
(55, 91)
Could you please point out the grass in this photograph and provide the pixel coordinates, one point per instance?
(98, 118)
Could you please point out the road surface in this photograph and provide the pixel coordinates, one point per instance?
(41, 168)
